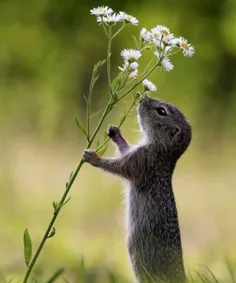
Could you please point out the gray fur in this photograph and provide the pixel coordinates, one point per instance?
(153, 234)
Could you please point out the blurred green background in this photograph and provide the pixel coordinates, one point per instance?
(47, 52)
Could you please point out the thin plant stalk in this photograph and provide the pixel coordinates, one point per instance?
(121, 122)
(73, 177)
(109, 59)
(139, 82)
(114, 98)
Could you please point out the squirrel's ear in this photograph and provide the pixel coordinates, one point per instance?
(174, 133)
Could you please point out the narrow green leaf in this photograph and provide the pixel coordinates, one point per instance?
(55, 205)
(137, 95)
(66, 201)
(71, 175)
(27, 247)
(203, 278)
(52, 233)
(85, 98)
(212, 274)
(56, 275)
(102, 150)
(96, 113)
(136, 42)
(81, 127)
(102, 62)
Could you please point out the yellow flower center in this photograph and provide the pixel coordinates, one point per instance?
(185, 45)
(165, 32)
(129, 18)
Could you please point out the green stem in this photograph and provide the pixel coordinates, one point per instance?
(121, 123)
(105, 30)
(143, 73)
(72, 179)
(135, 85)
(119, 30)
(109, 60)
(60, 204)
(50, 226)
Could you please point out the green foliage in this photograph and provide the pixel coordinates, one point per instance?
(45, 64)
(27, 247)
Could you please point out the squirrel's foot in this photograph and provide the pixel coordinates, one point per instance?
(91, 157)
(114, 133)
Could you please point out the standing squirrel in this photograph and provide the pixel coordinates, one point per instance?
(153, 234)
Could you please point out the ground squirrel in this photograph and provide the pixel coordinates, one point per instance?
(153, 235)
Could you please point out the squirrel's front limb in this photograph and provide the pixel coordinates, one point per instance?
(115, 166)
(114, 133)
(129, 166)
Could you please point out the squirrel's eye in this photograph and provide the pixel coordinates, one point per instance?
(161, 111)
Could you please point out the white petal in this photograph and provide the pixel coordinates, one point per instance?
(145, 35)
(134, 74)
(167, 65)
(131, 54)
(149, 86)
(133, 65)
(101, 11)
(129, 18)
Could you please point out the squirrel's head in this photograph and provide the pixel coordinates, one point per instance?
(164, 124)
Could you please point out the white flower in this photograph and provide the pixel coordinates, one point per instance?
(133, 74)
(188, 49)
(157, 54)
(174, 41)
(131, 54)
(149, 86)
(167, 38)
(158, 43)
(160, 31)
(163, 30)
(110, 19)
(145, 35)
(167, 49)
(133, 65)
(129, 18)
(165, 62)
(167, 65)
(101, 11)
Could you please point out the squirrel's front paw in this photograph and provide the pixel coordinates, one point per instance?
(91, 157)
(113, 132)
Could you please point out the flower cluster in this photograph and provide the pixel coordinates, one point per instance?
(131, 57)
(106, 15)
(159, 39)
(164, 42)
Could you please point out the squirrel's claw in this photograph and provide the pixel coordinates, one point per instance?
(91, 157)
(113, 131)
